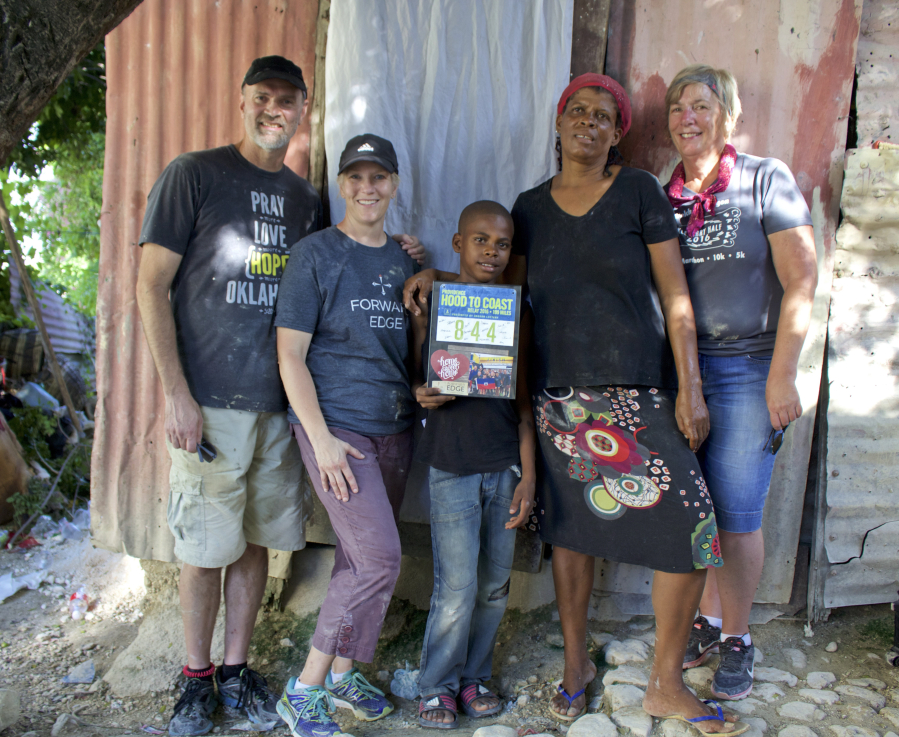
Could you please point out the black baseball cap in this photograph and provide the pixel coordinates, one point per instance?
(369, 147)
(275, 67)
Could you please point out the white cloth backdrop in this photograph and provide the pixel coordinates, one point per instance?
(464, 89)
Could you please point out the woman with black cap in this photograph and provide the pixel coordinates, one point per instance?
(342, 348)
(617, 401)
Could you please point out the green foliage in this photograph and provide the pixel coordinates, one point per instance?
(32, 427)
(24, 505)
(63, 214)
(69, 120)
(879, 630)
(68, 223)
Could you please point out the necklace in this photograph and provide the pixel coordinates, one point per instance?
(704, 202)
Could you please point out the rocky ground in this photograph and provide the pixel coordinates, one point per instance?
(833, 682)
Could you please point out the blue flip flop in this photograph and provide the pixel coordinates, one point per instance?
(739, 727)
(569, 699)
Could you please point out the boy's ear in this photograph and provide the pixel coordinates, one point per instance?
(457, 243)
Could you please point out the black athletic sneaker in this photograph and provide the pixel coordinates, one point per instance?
(250, 694)
(192, 711)
(733, 679)
(703, 642)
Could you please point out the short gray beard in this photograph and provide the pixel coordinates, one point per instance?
(265, 142)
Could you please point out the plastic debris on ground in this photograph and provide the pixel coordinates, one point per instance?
(248, 726)
(10, 584)
(83, 673)
(44, 529)
(405, 683)
(70, 531)
(151, 730)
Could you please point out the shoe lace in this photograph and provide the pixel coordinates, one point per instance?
(316, 707)
(357, 686)
(253, 688)
(733, 652)
(190, 696)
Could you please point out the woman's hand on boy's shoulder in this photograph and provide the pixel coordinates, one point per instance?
(430, 397)
(412, 246)
(522, 502)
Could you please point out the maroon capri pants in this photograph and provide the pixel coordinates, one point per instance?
(367, 558)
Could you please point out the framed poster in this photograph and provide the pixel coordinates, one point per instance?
(473, 349)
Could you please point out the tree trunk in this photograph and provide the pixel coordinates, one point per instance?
(40, 43)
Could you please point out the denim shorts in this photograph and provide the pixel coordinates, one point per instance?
(735, 461)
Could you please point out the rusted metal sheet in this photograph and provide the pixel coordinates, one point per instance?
(794, 62)
(877, 94)
(861, 524)
(174, 69)
(69, 331)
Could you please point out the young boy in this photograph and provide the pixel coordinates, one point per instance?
(482, 479)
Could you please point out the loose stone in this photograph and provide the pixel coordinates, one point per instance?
(601, 639)
(626, 674)
(495, 730)
(820, 679)
(796, 730)
(775, 675)
(768, 691)
(802, 711)
(819, 696)
(555, 639)
(699, 677)
(593, 725)
(797, 658)
(831, 647)
(891, 714)
(874, 683)
(620, 695)
(852, 731)
(760, 724)
(744, 706)
(618, 653)
(875, 700)
(633, 719)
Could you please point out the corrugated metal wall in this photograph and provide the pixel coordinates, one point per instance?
(793, 60)
(861, 518)
(174, 69)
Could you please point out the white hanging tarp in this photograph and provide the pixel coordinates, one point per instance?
(464, 89)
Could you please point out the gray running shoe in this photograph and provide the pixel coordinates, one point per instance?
(702, 644)
(192, 711)
(733, 679)
(250, 693)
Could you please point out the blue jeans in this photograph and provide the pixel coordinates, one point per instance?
(735, 462)
(472, 567)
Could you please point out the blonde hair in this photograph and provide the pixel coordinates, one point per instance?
(394, 178)
(722, 84)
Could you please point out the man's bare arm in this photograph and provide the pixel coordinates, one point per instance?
(183, 419)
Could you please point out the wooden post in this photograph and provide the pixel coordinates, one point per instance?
(36, 309)
(317, 168)
(589, 34)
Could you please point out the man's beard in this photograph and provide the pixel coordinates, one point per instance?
(269, 141)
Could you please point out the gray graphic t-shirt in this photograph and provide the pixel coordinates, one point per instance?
(350, 297)
(234, 224)
(734, 288)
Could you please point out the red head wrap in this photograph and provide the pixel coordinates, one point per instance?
(608, 84)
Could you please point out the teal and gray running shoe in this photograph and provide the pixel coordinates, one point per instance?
(306, 711)
(354, 692)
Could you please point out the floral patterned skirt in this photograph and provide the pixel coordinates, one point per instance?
(617, 479)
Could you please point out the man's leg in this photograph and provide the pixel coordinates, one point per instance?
(199, 590)
(244, 585)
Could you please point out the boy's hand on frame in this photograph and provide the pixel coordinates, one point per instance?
(522, 503)
(430, 397)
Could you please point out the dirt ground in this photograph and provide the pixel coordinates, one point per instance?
(139, 627)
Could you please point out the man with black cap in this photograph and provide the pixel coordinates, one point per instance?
(216, 237)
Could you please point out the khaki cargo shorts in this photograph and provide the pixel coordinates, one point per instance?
(251, 492)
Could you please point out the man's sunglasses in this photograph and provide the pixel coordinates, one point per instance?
(775, 440)
(206, 451)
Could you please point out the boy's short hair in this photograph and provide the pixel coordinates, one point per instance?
(482, 207)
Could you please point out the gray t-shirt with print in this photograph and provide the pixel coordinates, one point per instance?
(734, 288)
(350, 298)
(234, 224)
